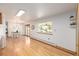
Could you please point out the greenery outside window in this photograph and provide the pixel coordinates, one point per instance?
(45, 27)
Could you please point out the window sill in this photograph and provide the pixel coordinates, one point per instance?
(45, 33)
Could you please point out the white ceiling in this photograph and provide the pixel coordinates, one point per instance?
(36, 10)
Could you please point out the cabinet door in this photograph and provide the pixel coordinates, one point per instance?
(0, 18)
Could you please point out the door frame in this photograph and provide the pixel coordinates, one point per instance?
(28, 31)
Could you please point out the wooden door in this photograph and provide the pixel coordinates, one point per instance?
(0, 18)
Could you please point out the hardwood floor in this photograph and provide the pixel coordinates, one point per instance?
(24, 46)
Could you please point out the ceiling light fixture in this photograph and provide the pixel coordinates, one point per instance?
(20, 13)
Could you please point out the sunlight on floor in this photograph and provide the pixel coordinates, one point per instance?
(27, 42)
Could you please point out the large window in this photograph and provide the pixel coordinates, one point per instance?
(45, 27)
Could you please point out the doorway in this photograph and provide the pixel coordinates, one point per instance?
(27, 30)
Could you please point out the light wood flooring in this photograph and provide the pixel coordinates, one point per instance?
(24, 46)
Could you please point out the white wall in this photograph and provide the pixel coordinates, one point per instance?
(63, 35)
(3, 32)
